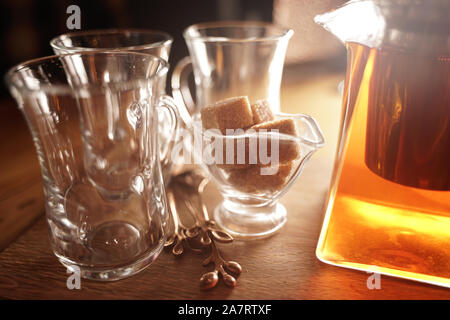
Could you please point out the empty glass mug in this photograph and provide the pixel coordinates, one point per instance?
(153, 42)
(231, 59)
(93, 121)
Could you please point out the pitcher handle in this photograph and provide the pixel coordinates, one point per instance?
(180, 89)
(168, 103)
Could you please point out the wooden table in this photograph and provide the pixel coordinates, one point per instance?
(281, 267)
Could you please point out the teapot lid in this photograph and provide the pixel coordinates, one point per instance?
(411, 25)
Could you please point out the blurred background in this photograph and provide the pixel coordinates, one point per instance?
(27, 26)
(315, 65)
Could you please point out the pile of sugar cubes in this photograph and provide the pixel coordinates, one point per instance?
(237, 113)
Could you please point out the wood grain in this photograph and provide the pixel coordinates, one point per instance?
(281, 267)
(21, 195)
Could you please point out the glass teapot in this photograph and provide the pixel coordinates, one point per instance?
(389, 204)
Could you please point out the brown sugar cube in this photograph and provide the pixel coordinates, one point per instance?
(232, 113)
(252, 181)
(288, 150)
(286, 126)
(232, 151)
(261, 112)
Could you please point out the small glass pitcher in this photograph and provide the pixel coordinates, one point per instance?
(94, 124)
(264, 166)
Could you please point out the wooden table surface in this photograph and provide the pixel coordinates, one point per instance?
(281, 267)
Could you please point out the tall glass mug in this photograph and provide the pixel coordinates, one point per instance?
(94, 124)
(231, 59)
(153, 42)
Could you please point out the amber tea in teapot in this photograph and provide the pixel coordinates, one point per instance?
(389, 205)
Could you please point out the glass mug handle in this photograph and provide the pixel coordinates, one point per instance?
(167, 103)
(180, 89)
